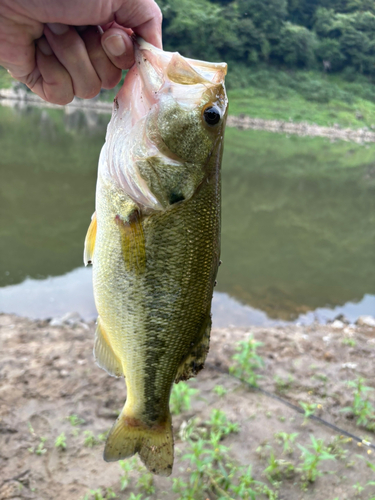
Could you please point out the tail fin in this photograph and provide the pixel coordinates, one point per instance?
(154, 444)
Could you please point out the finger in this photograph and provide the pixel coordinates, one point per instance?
(70, 50)
(50, 80)
(119, 47)
(108, 74)
(144, 17)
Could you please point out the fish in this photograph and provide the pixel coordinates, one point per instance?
(154, 241)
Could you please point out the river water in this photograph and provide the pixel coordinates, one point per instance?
(298, 233)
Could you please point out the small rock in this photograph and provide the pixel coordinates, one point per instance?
(349, 365)
(337, 324)
(71, 318)
(366, 321)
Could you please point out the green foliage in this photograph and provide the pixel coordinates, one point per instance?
(90, 440)
(247, 360)
(312, 456)
(220, 424)
(75, 420)
(220, 390)
(295, 33)
(309, 409)
(39, 450)
(361, 406)
(287, 440)
(60, 442)
(100, 495)
(181, 397)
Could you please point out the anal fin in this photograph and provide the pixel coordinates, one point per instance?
(88, 252)
(103, 353)
(194, 361)
(132, 241)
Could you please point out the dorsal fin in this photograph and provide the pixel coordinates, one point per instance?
(88, 252)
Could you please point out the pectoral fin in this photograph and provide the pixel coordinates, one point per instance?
(132, 241)
(194, 361)
(88, 252)
(103, 353)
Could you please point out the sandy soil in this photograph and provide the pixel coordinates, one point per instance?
(47, 373)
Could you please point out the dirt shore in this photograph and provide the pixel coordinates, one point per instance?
(47, 374)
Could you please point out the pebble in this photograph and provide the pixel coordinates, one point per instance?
(337, 324)
(366, 321)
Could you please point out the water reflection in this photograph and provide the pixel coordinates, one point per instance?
(298, 219)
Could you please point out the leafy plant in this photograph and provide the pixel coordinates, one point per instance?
(98, 494)
(247, 360)
(61, 441)
(287, 440)
(181, 397)
(278, 469)
(39, 450)
(361, 407)
(75, 420)
(312, 456)
(220, 424)
(282, 385)
(220, 390)
(90, 440)
(309, 409)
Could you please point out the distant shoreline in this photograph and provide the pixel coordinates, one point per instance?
(13, 98)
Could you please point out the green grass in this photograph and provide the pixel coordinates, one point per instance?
(302, 96)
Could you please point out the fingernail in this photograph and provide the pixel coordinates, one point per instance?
(115, 45)
(58, 28)
(44, 47)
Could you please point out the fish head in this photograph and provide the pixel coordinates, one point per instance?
(172, 108)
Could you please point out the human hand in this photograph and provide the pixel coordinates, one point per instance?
(66, 48)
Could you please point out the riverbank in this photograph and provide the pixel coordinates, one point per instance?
(51, 388)
(20, 98)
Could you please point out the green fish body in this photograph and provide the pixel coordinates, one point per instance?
(155, 241)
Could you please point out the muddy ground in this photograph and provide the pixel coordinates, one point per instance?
(47, 373)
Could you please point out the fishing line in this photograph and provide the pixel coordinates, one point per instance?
(294, 407)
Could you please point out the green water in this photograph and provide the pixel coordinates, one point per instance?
(298, 214)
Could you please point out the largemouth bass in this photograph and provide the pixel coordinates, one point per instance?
(154, 241)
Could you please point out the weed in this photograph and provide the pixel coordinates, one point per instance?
(61, 441)
(220, 424)
(282, 385)
(146, 483)
(127, 467)
(212, 473)
(312, 456)
(349, 341)
(103, 436)
(309, 409)
(75, 420)
(220, 390)
(247, 360)
(278, 469)
(98, 494)
(335, 446)
(190, 429)
(39, 450)
(361, 408)
(90, 440)
(358, 488)
(181, 397)
(287, 440)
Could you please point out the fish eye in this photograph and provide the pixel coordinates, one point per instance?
(211, 116)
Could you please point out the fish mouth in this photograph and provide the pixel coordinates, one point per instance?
(161, 72)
